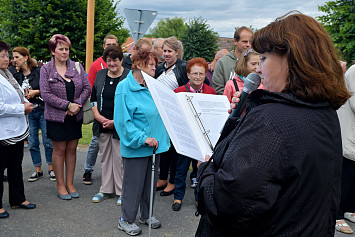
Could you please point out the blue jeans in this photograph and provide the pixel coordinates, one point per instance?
(93, 150)
(36, 122)
(182, 167)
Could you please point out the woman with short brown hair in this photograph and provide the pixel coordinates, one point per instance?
(278, 172)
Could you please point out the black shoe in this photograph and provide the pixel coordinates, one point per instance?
(87, 178)
(35, 176)
(25, 206)
(3, 215)
(161, 187)
(163, 193)
(176, 206)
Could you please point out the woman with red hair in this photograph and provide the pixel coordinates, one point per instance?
(196, 72)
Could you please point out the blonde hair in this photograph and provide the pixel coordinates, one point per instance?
(241, 67)
(140, 42)
(175, 44)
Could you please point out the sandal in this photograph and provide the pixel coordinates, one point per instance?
(339, 227)
(348, 216)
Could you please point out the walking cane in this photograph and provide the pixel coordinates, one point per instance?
(151, 192)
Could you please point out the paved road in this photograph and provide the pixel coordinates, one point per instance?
(81, 217)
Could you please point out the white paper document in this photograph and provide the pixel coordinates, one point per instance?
(193, 120)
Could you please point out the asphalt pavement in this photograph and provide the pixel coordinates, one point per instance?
(81, 217)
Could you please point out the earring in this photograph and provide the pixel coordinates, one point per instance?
(25, 62)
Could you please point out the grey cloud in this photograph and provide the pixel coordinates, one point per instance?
(224, 15)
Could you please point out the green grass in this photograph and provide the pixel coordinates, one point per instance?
(87, 134)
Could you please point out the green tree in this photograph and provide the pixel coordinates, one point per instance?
(339, 21)
(31, 23)
(168, 27)
(199, 40)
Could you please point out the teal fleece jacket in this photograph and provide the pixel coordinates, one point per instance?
(136, 117)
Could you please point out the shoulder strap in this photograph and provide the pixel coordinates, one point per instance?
(235, 84)
(77, 66)
(124, 73)
(187, 88)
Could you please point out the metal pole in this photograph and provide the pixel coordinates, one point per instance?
(151, 193)
(90, 34)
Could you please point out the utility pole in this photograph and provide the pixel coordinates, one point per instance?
(90, 34)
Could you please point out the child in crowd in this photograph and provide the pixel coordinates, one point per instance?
(247, 64)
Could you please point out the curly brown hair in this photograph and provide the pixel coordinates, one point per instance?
(142, 58)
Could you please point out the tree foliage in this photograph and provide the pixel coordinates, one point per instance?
(31, 23)
(199, 40)
(168, 27)
(339, 21)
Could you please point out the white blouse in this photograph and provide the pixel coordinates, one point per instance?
(169, 79)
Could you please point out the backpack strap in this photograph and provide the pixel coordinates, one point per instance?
(187, 88)
(77, 66)
(235, 84)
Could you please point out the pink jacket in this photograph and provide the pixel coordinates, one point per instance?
(54, 94)
(229, 89)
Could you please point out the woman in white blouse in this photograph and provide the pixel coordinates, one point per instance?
(13, 130)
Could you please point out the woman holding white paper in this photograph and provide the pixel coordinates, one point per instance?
(196, 72)
(140, 129)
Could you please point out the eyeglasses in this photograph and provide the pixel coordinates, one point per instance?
(4, 55)
(196, 74)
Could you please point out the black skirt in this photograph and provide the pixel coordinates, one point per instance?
(69, 130)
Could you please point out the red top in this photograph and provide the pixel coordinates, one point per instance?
(96, 66)
(205, 90)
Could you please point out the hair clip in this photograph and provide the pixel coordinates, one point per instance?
(248, 52)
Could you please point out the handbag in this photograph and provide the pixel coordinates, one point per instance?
(349, 146)
(88, 116)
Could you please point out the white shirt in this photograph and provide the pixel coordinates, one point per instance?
(12, 111)
(169, 79)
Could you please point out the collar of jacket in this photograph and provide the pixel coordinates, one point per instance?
(133, 84)
(259, 97)
(70, 67)
(160, 68)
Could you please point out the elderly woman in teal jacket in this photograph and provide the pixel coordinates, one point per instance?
(140, 129)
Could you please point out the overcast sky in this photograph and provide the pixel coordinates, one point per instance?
(224, 15)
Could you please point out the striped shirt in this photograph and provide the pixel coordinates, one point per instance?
(169, 79)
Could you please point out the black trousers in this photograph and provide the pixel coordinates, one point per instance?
(168, 161)
(347, 202)
(11, 158)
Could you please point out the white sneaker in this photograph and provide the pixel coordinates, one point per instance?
(194, 183)
(52, 175)
(155, 223)
(131, 229)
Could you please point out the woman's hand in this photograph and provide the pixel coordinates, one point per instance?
(28, 107)
(31, 94)
(74, 108)
(108, 124)
(150, 141)
(207, 158)
(235, 101)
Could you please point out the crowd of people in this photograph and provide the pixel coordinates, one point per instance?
(285, 168)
